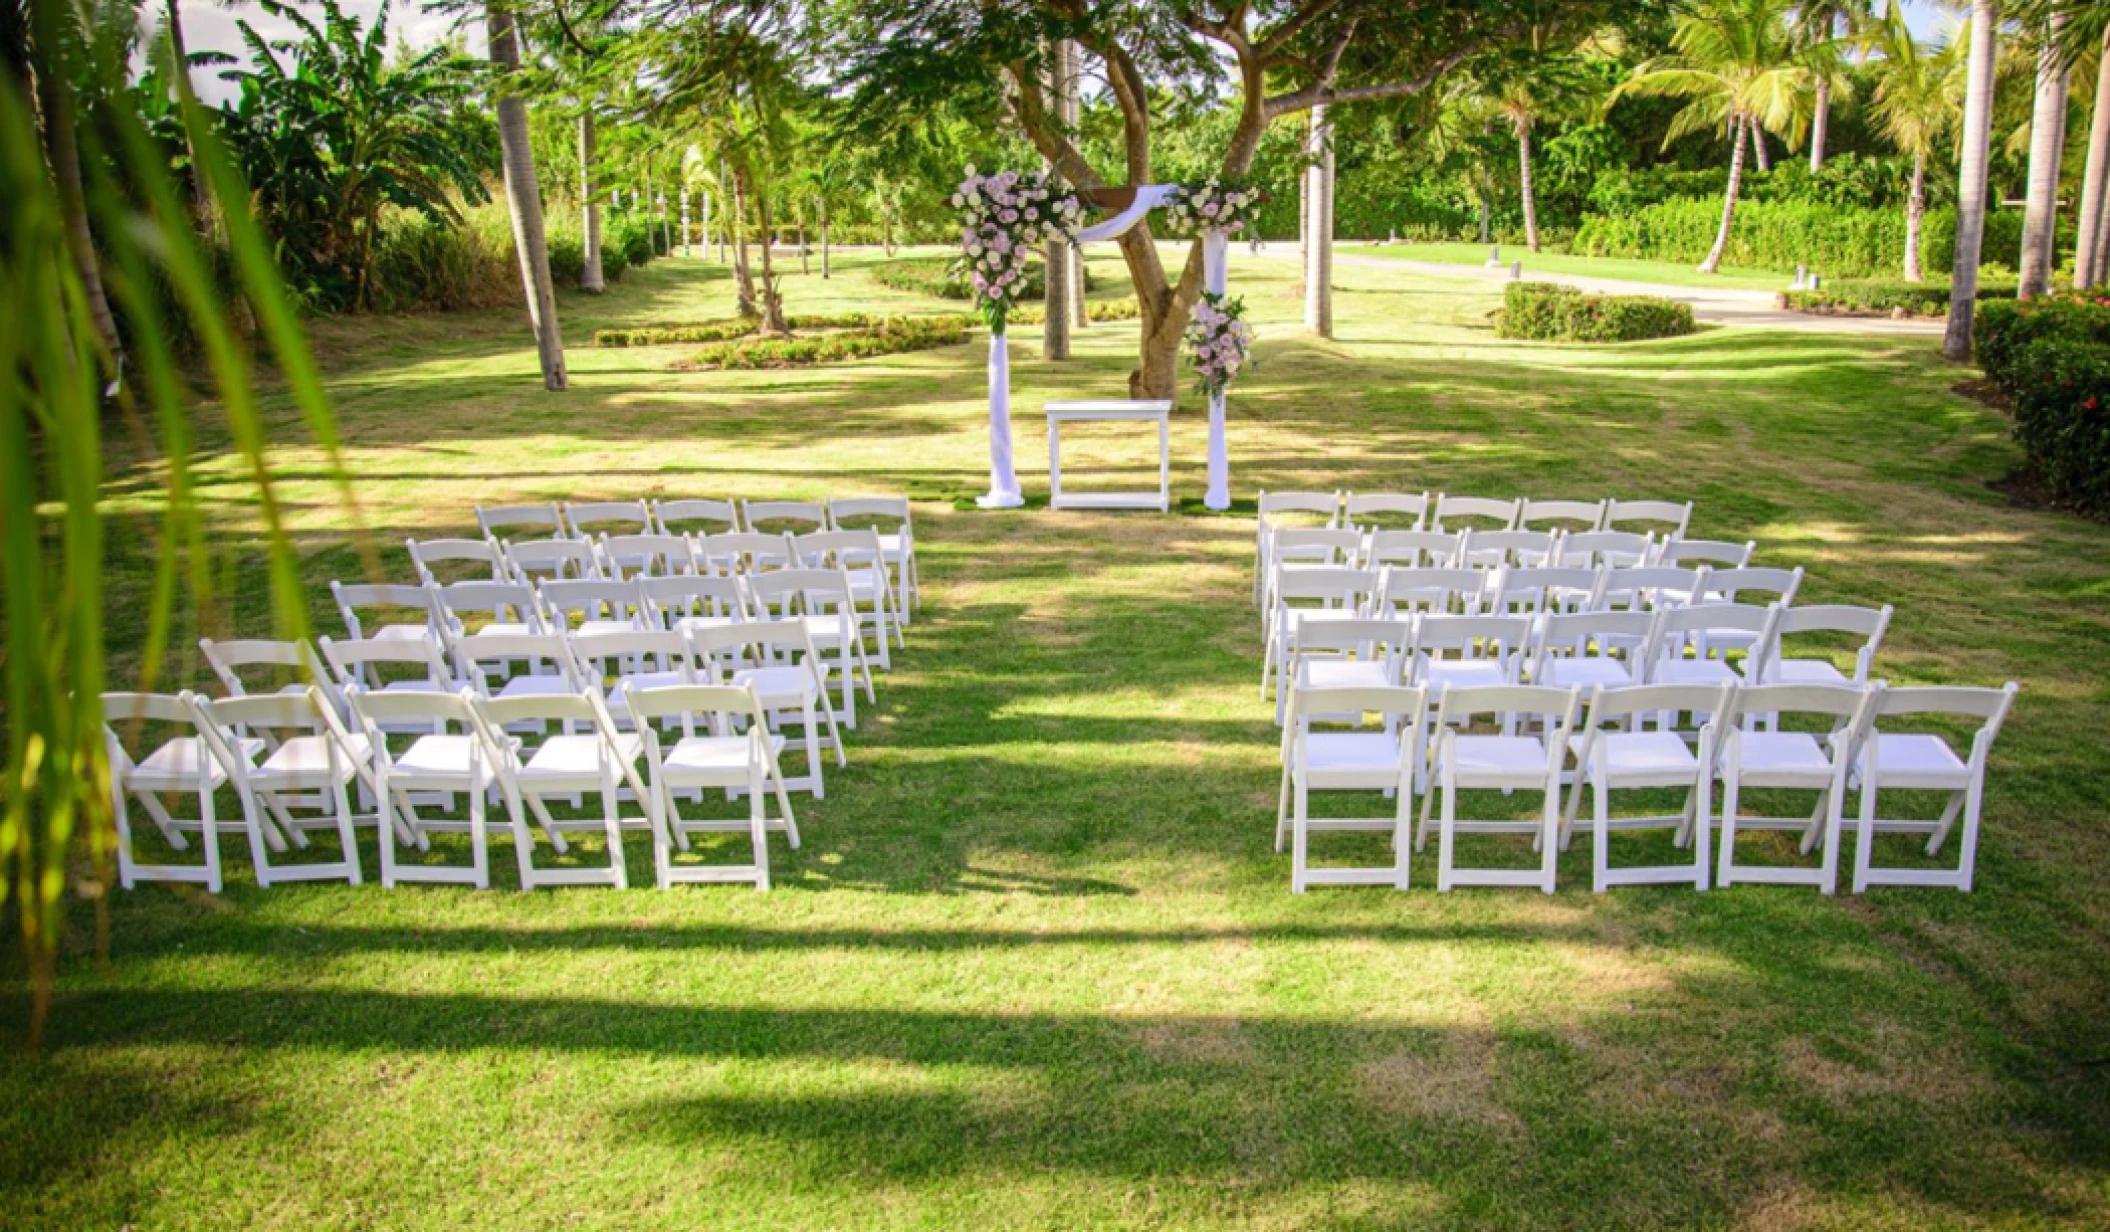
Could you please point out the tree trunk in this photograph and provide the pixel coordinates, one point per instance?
(1970, 181)
(772, 302)
(1915, 211)
(63, 153)
(1820, 122)
(1318, 272)
(590, 278)
(805, 253)
(1531, 211)
(2047, 141)
(824, 242)
(743, 272)
(201, 197)
(1736, 181)
(2093, 180)
(1303, 227)
(524, 198)
(1758, 146)
(1487, 216)
(1055, 255)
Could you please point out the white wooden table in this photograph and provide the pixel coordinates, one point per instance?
(1110, 410)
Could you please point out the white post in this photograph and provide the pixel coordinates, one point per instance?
(1003, 480)
(685, 220)
(1215, 253)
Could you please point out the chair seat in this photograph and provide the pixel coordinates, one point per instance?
(1914, 756)
(537, 686)
(1584, 670)
(587, 628)
(688, 624)
(784, 685)
(402, 633)
(1297, 617)
(174, 766)
(1791, 753)
(824, 630)
(619, 706)
(503, 628)
(577, 756)
(1441, 674)
(1368, 751)
(435, 756)
(1345, 673)
(1693, 671)
(1522, 757)
(1802, 671)
(306, 759)
(1643, 753)
(712, 754)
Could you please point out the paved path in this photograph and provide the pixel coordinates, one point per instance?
(1721, 305)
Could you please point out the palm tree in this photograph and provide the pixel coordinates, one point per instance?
(1970, 185)
(2087, 254)
(1821, 22)
(524, 196)
(2047, 142)
(1739, 63)
(1917, 94)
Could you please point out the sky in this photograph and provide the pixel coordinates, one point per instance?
(209, 27)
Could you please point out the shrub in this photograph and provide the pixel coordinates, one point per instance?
(421, 265)
(631, 233)
(2051, 357)
(2006, 327)
(1832, 240)
(890, 337)
(942, 277)
(1097, 310)
(727, 328)
(1886, 295)
(1551, 312)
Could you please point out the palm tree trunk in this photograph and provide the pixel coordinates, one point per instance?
(743, 273)
(1318, 272)
(1531, 209)
(524, 198)
(1970, 181)
(2047, 141)
(805, 253)
(1820, 123)
(1915, 211)
(1758, 145)
(63, 154)
(591, 277)
(2093, 180)
(1736, 180)
(824, 242)
(772, 302)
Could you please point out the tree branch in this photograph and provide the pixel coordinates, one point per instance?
(1031, 105)
(1323, 92)
(1272, 44)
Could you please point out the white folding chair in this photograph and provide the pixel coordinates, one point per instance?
(1517, 760)
(1566, 516)
(1499, 549)
(1616, 752)
(1411, 549)
(789, 516)
(484, 560)
(1276, 509)
(1309, 593)
(1453, 652)
(586, 755)
(320, 763)
(542, 519)
(889, 516)
(708, 752)
(1714, 553)
(388, 667)
(1793, 760)
(1343, 654)
(1607, 549)
(585, 519)
(1673, 517)
(1590, 649)
(1776, 586)
(743, 552)
(821, 600)
(1649, 588)
(384, 599)
(1769, 662)
(776, 659)
(1460, 512)
(1541, 589)
(1299, 548)
(291, 667)
(618, 663)
(634, 556)
(1362, 510)
(1691, 645)
(536, 560)
(517, 665)
(180, 764)
(856, 554)
(1430, 591)
(1926, 761)
(1364, 758)
(591, 606)
(674, 517)
(453, 757)
(476, 609)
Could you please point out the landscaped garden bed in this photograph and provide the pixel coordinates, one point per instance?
(1551, 312)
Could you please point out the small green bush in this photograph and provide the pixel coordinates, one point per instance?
(1550, 312)
(727, 328)
(630, 233)
(2051, 357)
(890, 337)
(1097, 310)
(942, 278)
(1927, 299)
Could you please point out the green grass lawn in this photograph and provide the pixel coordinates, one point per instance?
(1673, 273)
(1037, 964)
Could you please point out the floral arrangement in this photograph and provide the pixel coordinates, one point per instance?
(1216, 205)
(1005, 215)
(1217, 341)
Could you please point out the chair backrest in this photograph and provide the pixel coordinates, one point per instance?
(1362, 510)
(1989, 706)
(889, 513)
(1395, 636)
(1608, 705)
(489, 602)
(493, 518)
(1867, 624)
(354, 660)
(1326, 583)
(487, 561)
(1558, 706)
(617, 517)
(289, 663)
(1414, 549)
(823, 549)
(1719, 552)
(1845, 705)
(794, 512)
(1726, 585)
(1675, 625)
(378, 597)
(220, 721)
(1447, 591)
(474, 655)
(1572, 515)
(1484, 549)
(787, 592)
(747, 552)
(378, 712)
(1650, 587)
(1589, 634)
(646, 555)
(1676, 518)
(126, 716)
(1608, 549)
(668, 599)
(717, 703)
(1471, 637)
(1546, 589)
(1326, 505)
(602, 657)
(1334, 545)
(1496, 514)
(590, 600)
(671, 517)
(1394, 706)
(531, 559)
(728, 643)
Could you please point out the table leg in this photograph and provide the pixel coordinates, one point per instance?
(1165, 464)
(1054, 463)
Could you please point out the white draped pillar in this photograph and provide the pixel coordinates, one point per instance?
(1003, 490)
(1215, 278)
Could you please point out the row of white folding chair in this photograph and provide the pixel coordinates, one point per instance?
(1316, 547)
(890, 517)
(465, 751)
(1614, 750)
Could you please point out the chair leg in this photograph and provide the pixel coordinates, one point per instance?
(1967, 846)
(1549, 851)
(1865, 835)
(1601, 832)
(209, 837)
(1948, 821)
(1724, 875)
(1300, 836)
(662, 823)
(253, 825)
(1447, 834)
(758, 827)
(479, 835)
(1282, 811)
(346, 839)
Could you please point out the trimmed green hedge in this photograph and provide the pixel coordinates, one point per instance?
(726, 328)
(1550, 312)
(1927, 299)
(2052, 359)
(940, 277)
(1833, 241)
(890, 337)
(1097, 310)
